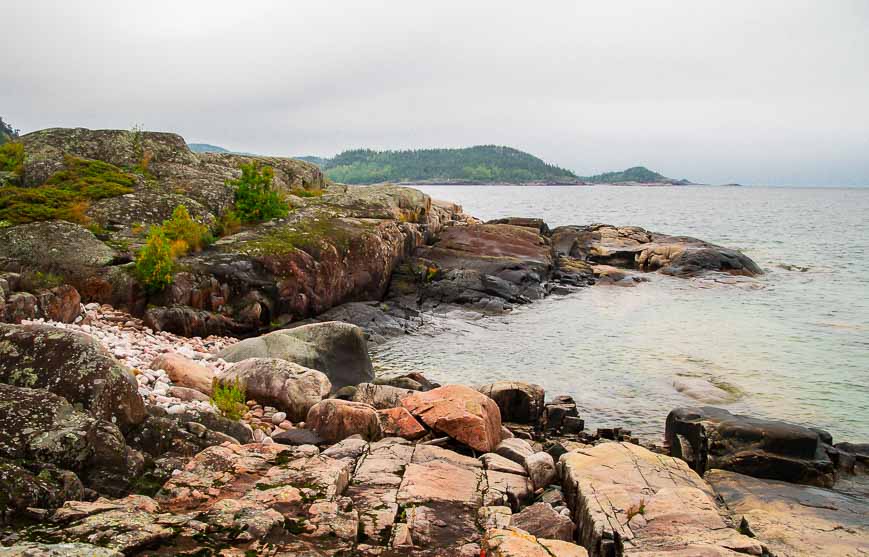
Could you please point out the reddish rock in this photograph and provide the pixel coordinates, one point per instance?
(335, 420)
(60, 304)
(460, 412)
(398, 422)
(185, 372)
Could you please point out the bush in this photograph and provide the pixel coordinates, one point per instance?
(12, 158)
(154, 261)
(229, 398)
(307, 193)
(255, 200)
(185, 233)
(227, 224)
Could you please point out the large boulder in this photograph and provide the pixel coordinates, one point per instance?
(21, 488)
(380, 396)
(185, 372)
(39, 427)
(337, 349)
(74, 366)
(541, 520)
(57, 245)
(519, 402)
(335, 420)
(464, 414)
(707, 437)
(291, 388)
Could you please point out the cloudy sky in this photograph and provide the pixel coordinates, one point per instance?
(739, 91)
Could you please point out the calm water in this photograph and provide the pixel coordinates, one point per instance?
(795, 342)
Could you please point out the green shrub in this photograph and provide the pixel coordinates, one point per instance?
(255, 200)
(307, 193)
(227, 224)
(182, 228)
(12, 158)
(154, 261)
(229, 398)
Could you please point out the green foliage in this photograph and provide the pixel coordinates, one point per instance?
(310, 236)
(255, 200)
(227, 224)
(154, 261)
(182, 228)
(307, 193)
(229, 398)
(485, 163)
(12, 158)
(66, 194)
(635, 174)
(7, 132)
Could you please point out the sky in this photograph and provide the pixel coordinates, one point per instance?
(753, 92)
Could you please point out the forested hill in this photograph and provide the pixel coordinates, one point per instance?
(639, 174)
(480, 164)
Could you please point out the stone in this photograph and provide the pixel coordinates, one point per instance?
(514, 542)
(502, 488)
(496, 462)
(337, 349)
(72, 549)
(541, 520)
(292, 388)
(493, 517)
(460, 412)
(62, 304)
(74, 366)
(791, 519)
(514, 449)
(709, 437)
(519, 402)
(334, 420)
(398, 422)
(627, 500)
(40, 427)
(23, 489)
(556, 411)
(185, 372)
(188, 395)
(46, 245)
(298, 437)
(278, 418)
(380, 397)
(541, 469)
(20, 306)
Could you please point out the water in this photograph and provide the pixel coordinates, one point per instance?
(793, 344)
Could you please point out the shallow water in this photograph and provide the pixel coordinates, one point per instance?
(793, 344)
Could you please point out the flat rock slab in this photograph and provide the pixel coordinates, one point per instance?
(790, 519)
(627, 500)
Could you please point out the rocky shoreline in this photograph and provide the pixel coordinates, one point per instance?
(112, 440)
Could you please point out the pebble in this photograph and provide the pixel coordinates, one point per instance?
(278, 417)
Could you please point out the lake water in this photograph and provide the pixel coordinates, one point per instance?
(793, 343)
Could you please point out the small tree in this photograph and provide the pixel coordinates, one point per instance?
(255, 200)
(182, 228)
(154, 261)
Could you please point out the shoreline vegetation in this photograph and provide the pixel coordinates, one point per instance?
(229, 406)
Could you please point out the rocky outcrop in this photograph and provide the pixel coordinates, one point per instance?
(337, 349)
(709, 437)
(627, 500)
(633, 247)
(291, 388)
(74, 366)
(460, 412)
(52, 245)
(793, 519)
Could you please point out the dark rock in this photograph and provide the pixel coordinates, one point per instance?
(61, 304)
(519, 402)
(21, 488)
(555, 450)
(572, 424)
(298, 437)
(556, 411)
(537, 224)
(399, 382)
(72, 365)
(708, 437)
(345, 393)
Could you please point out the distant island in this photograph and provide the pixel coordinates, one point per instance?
(481, 164)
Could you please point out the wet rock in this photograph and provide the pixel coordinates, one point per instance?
(708, 437)
(380, 397)
(72, 365)
(791, 519)
(541, 469)
(292, 388)
(398, 422)
(40, 427)
(334, 420)
(703, 390)
(541, 520)
(185, 372)
(555, 411)
(519, 402)
(337, 349)
(627, 500)
(462, 413)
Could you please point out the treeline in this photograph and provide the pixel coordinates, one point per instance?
(480, 164)
(7, 132)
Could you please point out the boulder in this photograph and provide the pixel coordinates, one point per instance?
(707, 437)
(298, 437)
(627, 500)
(464, 414)
(337, 349)
(519, 402)
(496, 462)
(185, 372)
(53, 245)
(397, 422)
(74, 366)
(791, 519)
(37, 426)
(290, 387)
(380, 396)
(335, 420)
(541, 469)
(514, 449)
(555, 412)
(541, 520)
(20, 306)
(61, 304)
(21, 488)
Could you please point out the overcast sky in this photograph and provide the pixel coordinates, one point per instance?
(727, 91)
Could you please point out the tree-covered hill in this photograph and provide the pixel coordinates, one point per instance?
(480, 164)
(206, 148)
(639, 174)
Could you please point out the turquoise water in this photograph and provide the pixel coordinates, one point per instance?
(793, 344)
